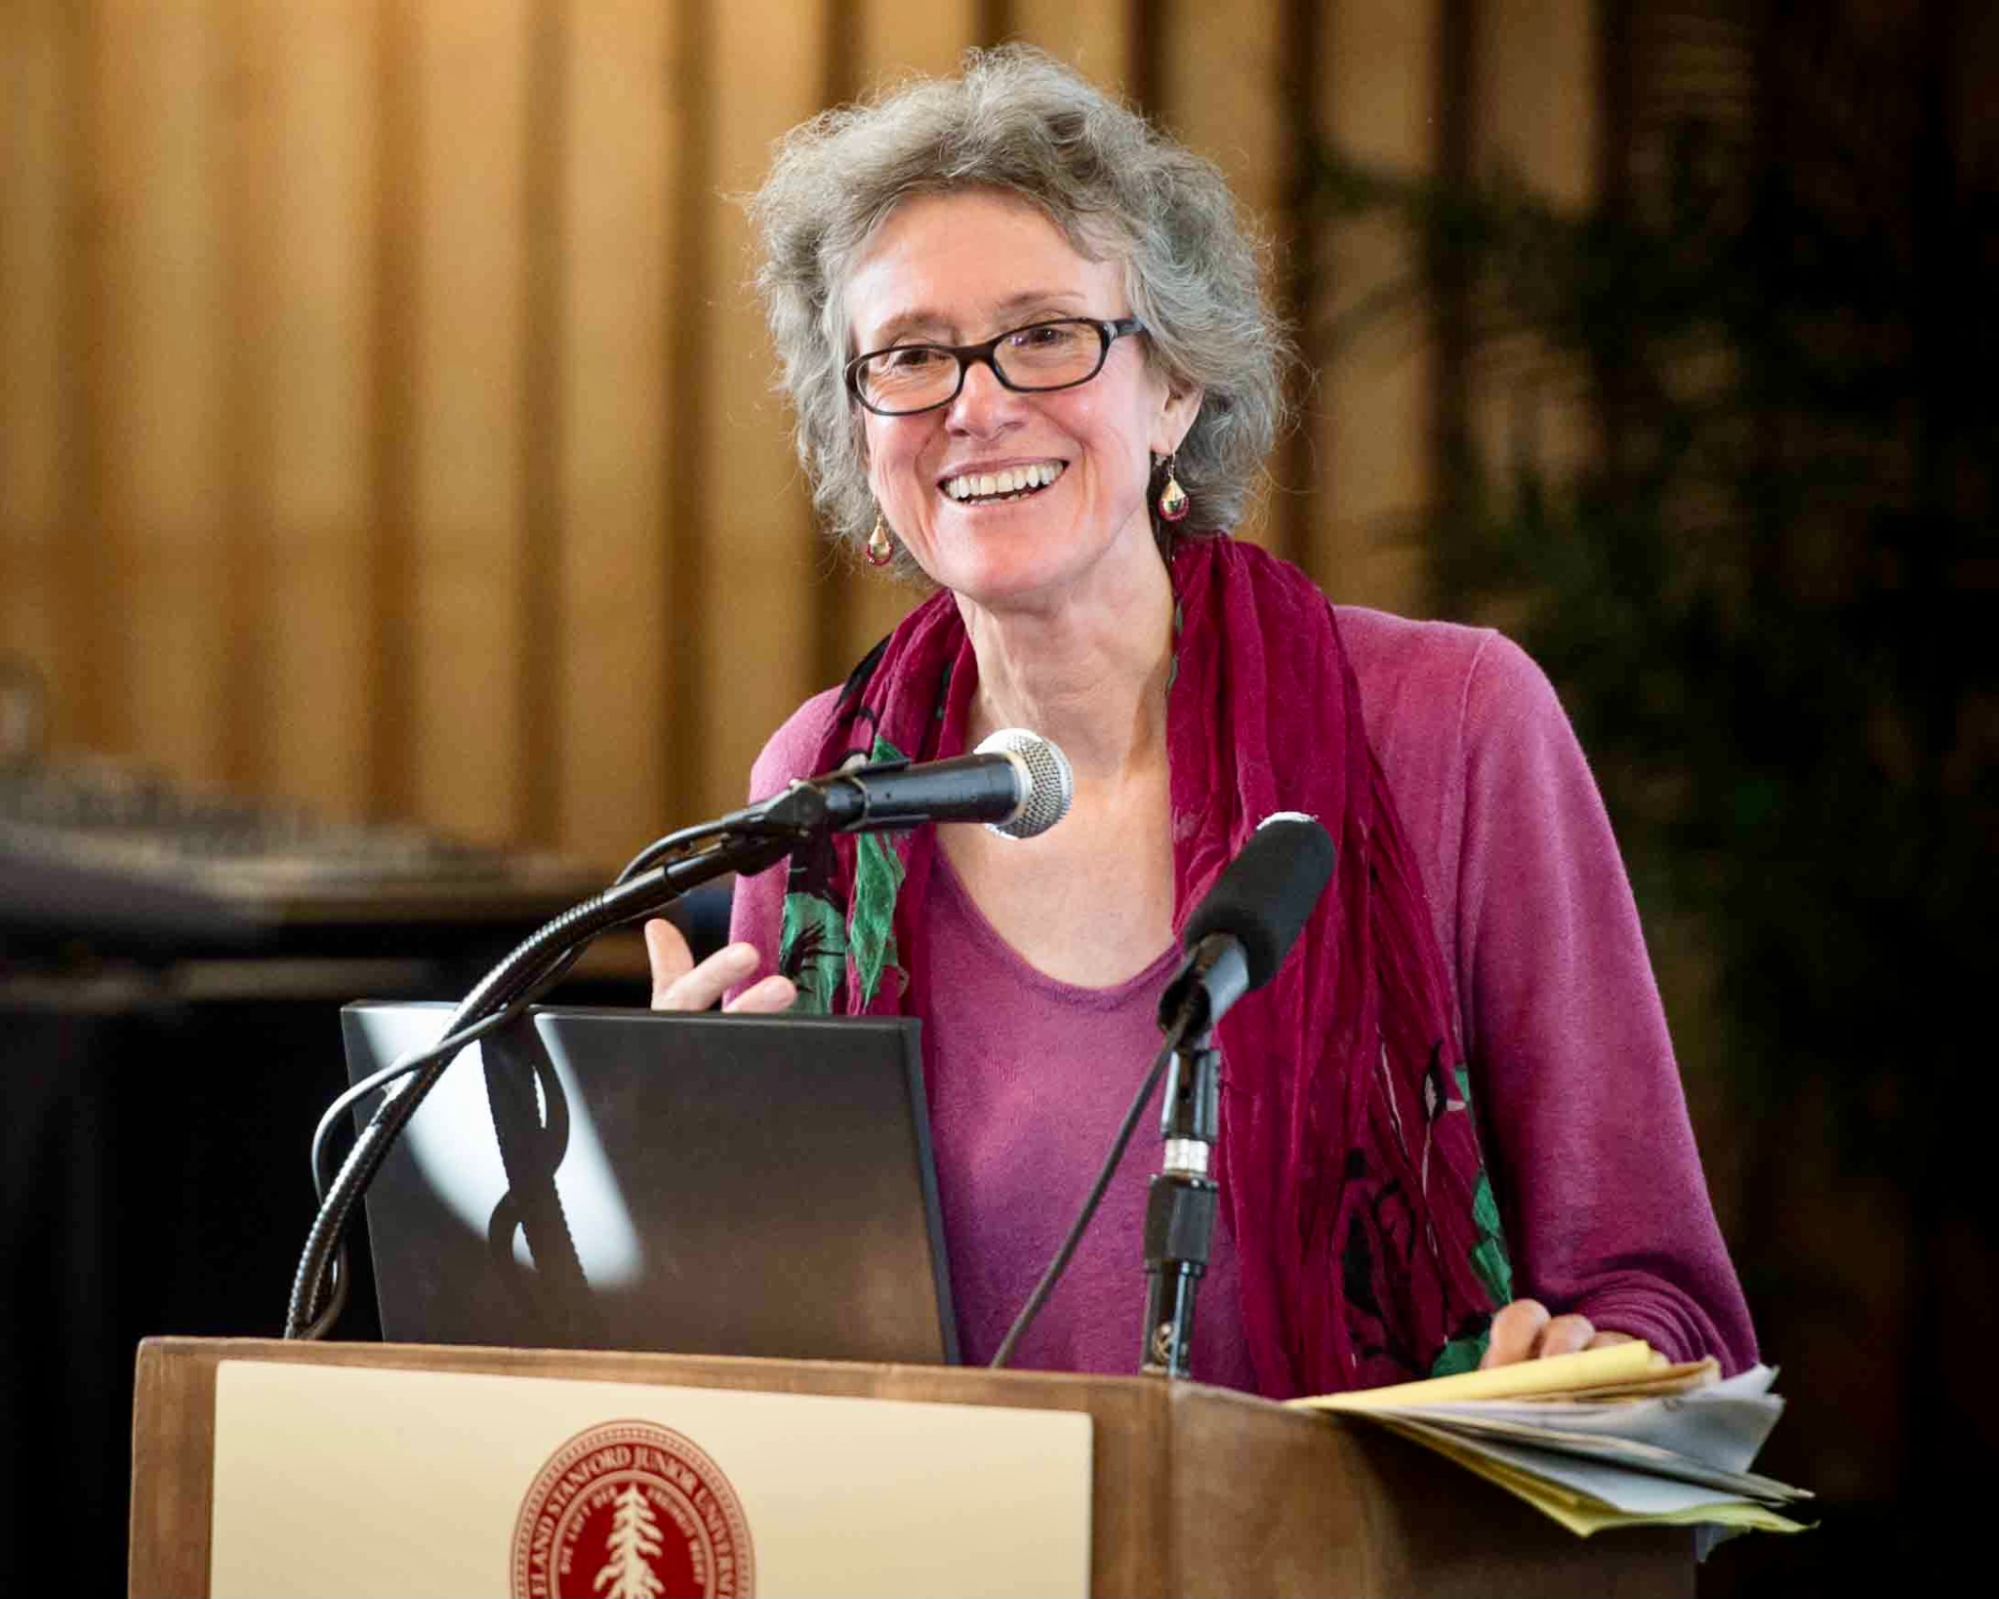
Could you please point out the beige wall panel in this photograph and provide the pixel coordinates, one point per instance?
(1091, 35)
(894, 38)
(1222, 72)
(311, 114)
(161, 131)
(1534, 115)
(471, 76)
(33, 208)
(1369, 416)
(620, 448)
(759, 560)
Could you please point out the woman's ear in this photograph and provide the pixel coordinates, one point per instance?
(1176, 418)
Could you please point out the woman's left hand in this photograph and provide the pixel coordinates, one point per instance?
(1525, 1330)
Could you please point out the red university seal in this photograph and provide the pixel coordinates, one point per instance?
(631, 1510)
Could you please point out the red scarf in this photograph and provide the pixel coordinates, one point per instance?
(1368, 1240)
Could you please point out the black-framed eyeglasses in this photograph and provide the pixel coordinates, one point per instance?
(1059, 354)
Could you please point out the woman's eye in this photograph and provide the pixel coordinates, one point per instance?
(913, 359)
(1046, 337)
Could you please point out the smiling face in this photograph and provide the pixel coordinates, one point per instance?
(1004, 497)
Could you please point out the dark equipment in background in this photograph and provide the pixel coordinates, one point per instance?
(171, 971)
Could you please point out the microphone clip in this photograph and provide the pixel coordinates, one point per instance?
(1213, 977)
(1180, 1205)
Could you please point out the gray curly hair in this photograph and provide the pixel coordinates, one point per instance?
(1018, 121)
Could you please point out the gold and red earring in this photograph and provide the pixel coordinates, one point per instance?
(881, 548)
(1172, 498)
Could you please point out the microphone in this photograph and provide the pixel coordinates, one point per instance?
(1240, 933)
(1016, 782)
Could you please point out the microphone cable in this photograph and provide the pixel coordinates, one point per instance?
(1060, 1263)
(1258, 904)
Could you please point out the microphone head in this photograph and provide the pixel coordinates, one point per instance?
(1263, 896)
(1050, 785)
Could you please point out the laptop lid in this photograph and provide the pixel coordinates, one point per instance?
(602, 1178)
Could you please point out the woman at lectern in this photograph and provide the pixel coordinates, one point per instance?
(1032, 365)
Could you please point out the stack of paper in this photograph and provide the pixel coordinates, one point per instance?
(1601, 1439)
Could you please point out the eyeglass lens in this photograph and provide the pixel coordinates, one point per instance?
(1049, 355)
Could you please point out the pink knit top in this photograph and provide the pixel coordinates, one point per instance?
(1586, 1133)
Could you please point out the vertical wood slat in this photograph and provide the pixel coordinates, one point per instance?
(1221, 75)
(1456, 113)
(1535, 65)
(468, 538)
(160, 124)
(238, 519)
(1367, 416)
(544, 219)
(1097, 37)
(34, 225)
(894, 38)
(87, 679)
(622, 300)
(755, 596)
(393, 442)
(689, 488)
(306, 230)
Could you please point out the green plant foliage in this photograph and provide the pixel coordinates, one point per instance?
(1764, 600)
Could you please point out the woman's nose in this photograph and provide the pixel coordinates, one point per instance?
(984, 405)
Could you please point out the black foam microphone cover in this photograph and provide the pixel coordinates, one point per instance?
(1264, 895)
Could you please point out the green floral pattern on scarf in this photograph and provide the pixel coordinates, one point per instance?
(815, 943)
(814, 946)
(1488, 1259)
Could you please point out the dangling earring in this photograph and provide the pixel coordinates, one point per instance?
(1172, 498)
(881, 548)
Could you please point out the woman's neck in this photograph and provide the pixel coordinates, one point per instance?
(1089, 672)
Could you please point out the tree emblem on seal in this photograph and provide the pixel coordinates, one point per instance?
(631, 1510)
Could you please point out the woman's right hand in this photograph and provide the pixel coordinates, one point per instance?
(678, 984)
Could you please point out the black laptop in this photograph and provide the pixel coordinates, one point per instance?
(620, 1179)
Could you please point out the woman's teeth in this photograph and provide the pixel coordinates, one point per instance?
(1012, 483)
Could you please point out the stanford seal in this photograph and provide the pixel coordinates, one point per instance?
(631, 1510)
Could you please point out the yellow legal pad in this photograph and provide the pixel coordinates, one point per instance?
(1607, 1367)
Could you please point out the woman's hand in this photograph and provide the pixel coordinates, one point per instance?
(1524, 1330)
(678, 984)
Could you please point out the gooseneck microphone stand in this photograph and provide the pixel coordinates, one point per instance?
(1180, 1207)
(745, 841)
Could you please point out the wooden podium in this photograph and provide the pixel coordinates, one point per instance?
(1194, 1490)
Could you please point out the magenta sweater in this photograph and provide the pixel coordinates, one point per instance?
(1586, 1133)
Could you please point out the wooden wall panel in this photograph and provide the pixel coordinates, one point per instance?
(1094, 36)
(387, 421)
(472, 80)
(303, 312)
(754, 602)
(621, 447)
(1367, 417)
(162, 353)
(34, 222)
